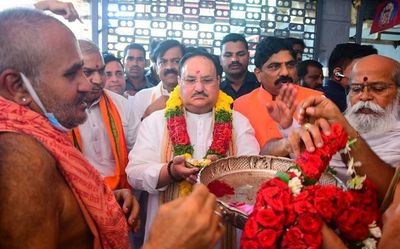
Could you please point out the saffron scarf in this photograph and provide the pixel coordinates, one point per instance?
(96, 201)
(112, 122)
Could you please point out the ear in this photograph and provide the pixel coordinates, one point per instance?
(337, 70)
(258, 72)
(179, 81)
(12, 87)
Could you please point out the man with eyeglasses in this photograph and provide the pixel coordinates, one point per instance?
(157, 165)
(275, 63)
(373, 98)
(373, 109)
(135, 63)
(114, 72)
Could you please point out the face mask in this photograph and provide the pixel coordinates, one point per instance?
(50, 116)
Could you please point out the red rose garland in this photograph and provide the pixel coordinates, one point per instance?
(290, 208)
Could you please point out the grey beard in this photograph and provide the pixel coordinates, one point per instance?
(380, 122)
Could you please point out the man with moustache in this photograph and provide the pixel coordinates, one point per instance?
(373, 109)
(167, 55)
(135, 63)
(310, 74)
(234, 60)
(275, 65)
(158, 166)
(107, 135)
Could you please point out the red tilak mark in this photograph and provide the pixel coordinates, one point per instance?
(198, 71)
(365, 78)
(219, 188)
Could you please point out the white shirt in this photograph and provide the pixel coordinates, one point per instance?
(145, 158)
(95, 140)
(141, 100)
(385, 145)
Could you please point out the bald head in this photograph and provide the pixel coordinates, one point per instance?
(24, 43)
(88, 47)
(376, 68)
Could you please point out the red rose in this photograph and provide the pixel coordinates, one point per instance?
(248, 244)
(293, 238)
(311, 165)
(177, 130)
(266, 238)
(301, 207)
(309, 223)
(329, 201)
(276, 198)
(290, 215)
(269, 219)
(314, 241)
(251, 228)
(351, 224)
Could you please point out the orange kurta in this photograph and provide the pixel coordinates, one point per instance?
(253, 107)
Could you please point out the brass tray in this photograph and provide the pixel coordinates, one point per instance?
(245, 174)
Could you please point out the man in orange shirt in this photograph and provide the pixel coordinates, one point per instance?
(275, 69)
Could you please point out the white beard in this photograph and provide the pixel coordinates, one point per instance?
(380, 122)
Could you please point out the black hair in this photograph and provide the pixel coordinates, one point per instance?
(234, 37)
(302, 67)
(199, 52)
(293, 41)
(267, 47)
(153, 46)
(164, 46)
(109, 57)
(135, 46)
(343, 54)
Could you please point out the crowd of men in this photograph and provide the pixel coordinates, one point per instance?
(81, 130)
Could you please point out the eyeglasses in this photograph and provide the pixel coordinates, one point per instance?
(377, 88)
(204, 81)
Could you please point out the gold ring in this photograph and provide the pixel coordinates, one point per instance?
(307, 126)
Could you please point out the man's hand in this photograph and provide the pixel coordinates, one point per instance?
(187, 223)
(67, 10)
(159, 104)
(129, 206)
(308, 135)
(180, 171)
(320, 107)
(284, 106)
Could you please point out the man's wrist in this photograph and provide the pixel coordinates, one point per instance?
(170, 174)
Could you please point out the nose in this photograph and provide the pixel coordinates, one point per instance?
(235, 58)
(97, 78)
(84, 84)
(113, 78)
(366, 95)
(284, 70)
(198, 86)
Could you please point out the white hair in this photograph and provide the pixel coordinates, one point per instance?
(383, 119)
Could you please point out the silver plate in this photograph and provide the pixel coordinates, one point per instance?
(246, 174)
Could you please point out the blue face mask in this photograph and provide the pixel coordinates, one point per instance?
(50, 116)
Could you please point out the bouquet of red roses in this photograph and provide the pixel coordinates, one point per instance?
(290, 208)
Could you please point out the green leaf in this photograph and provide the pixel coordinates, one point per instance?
(283, 176)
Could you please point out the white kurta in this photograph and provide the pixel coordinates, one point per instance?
(145, 158)
(386, 146)
(96, 143)
(141, 100)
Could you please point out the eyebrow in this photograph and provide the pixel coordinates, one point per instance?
(75, 67)
(94, 69)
